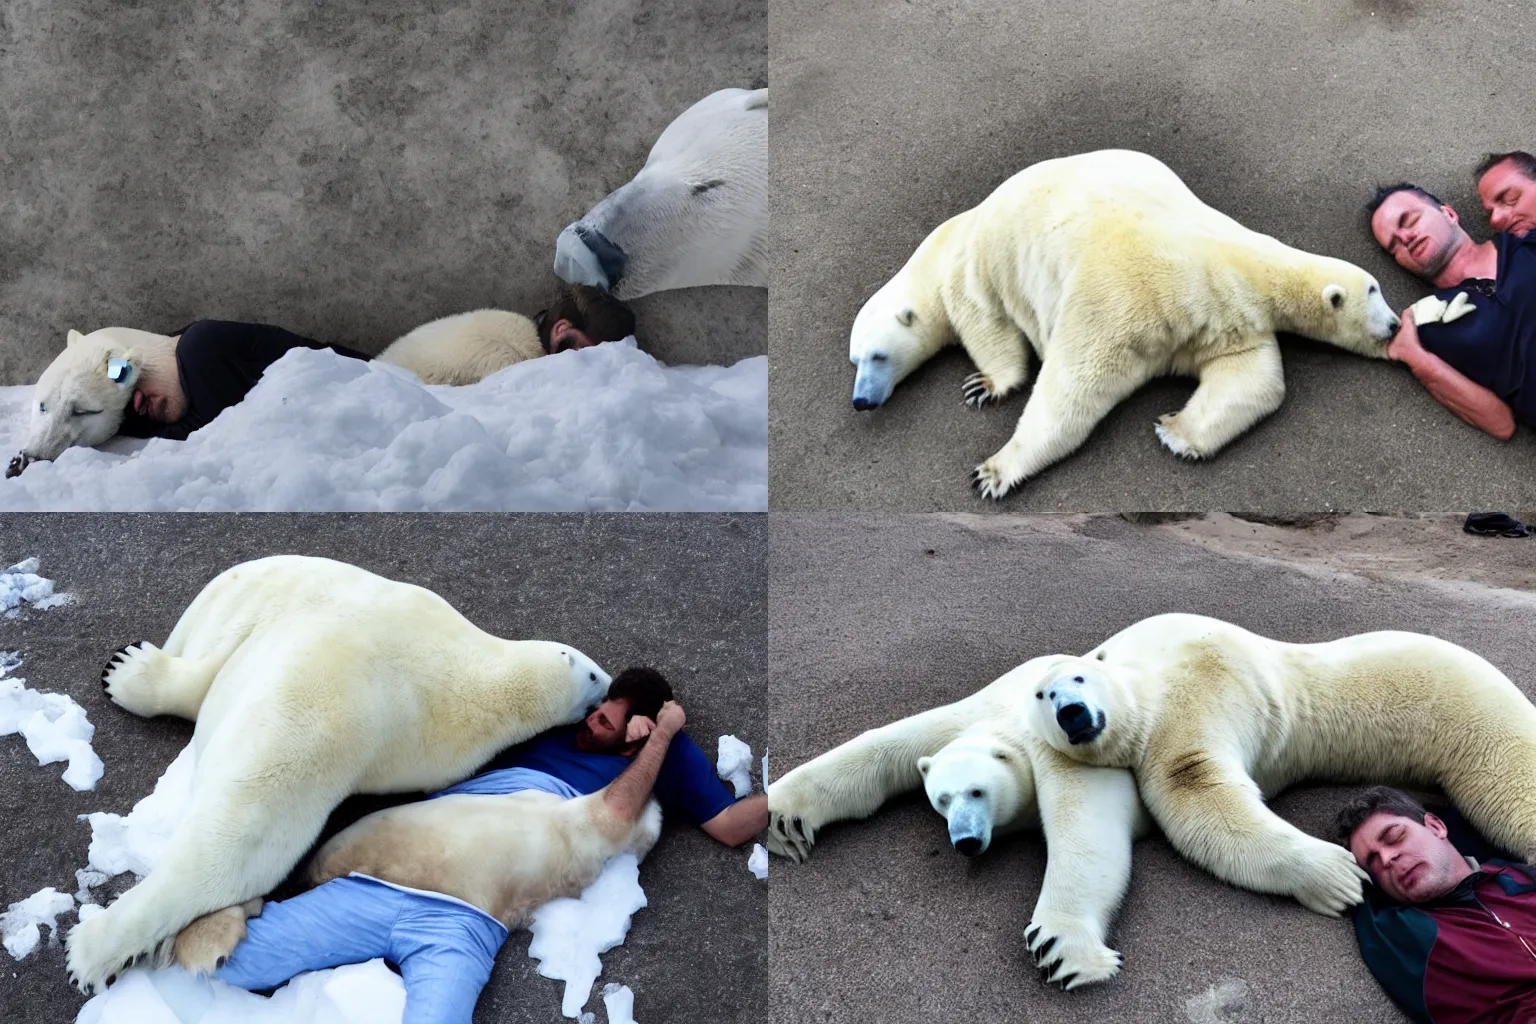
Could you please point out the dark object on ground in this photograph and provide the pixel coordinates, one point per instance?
(1496, 524)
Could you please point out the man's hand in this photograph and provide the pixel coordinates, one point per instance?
(638, 729)
(671, 718)
(1405, 346)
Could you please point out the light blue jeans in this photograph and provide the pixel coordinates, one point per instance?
(443, 948)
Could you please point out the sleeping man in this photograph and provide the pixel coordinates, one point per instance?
(434, 886)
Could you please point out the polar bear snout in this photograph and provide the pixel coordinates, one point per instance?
(874, 381)
(1077, 716)
(970, 827)
(584, 255)
(1076, 720)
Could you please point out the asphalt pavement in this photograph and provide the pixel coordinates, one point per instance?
(875, 618)
(890, 117)
(685, 594)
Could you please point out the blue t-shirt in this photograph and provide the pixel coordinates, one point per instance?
(686, 785)
(1496, 346)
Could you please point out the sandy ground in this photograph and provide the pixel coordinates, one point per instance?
(876, 618)
(347, 170)
(889, 117)
(683, 593)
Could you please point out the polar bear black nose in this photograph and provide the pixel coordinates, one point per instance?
(863, 404)
(970, 846)
(1073, 717)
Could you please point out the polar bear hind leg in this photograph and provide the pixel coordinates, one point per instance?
(1235, 392)
(1068, 401)
(143, 679)
(1496, 789)
(204, 945)
(253, 814)
(1214, 815)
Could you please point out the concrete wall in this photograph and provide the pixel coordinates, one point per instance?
(347, 170)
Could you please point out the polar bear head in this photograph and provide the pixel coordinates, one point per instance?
(1341, 304)
(1081, 706)
(696, 214)
(80, 398)
(980, 783)
(588, 683)
(891, 337)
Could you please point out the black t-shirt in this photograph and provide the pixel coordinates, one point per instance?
(218, 362)
(1496, 346)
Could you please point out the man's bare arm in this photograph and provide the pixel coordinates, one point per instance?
(739, 822)
(1467, 399)
(627, 794)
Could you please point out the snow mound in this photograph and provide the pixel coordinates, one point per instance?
(605, 428)
(757, 861)
(367, 993)
(20, 926)
(21, 585)
(733, 763)
(54, 726)
(568, 935)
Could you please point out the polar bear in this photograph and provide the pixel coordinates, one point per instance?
(311, 680)
(1114, 273)
(81, 398)
(696, 214)
(1213, 719)
(507, 855)
(986, 773)
(467, 347)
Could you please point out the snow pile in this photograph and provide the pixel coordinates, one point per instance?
(20, 584)
(606, 428)
(618, 1003)
(367, 993)
(20, 926)
(757, 862)
(734, 764)
(135, 843)
(568, 935)
(54, 726)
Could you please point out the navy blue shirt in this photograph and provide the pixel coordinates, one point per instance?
(219, 361)
(1496, 346)
(686, 785)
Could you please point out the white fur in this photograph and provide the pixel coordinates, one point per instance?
(696, 214)
(311, 680)
(466, 347)
(1111, 272)
(1213, 719)
(1089, 816)
(74, 402)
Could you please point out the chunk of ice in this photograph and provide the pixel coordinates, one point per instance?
(21, 925)
(734, 764)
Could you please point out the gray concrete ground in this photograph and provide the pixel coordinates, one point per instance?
(890, 117)
(346, 170)
(876, 618)
(684, 593)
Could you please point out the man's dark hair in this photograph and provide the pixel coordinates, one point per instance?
(591, 311)
(1383, 191)
(645, 689)
(1524, 162)
(1380, 799)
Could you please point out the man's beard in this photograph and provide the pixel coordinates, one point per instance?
(1439, 260)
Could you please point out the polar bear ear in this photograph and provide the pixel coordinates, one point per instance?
(905, 317)
(923, 764)
(1334, 296)
(72, 338)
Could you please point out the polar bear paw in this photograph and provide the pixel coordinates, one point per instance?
(97, 951)
(795, 812)
(1167, 432)
(1068, 954)
(1329, 880)
(991, 481)
(979, 390)
(127, 678)
(204, 945)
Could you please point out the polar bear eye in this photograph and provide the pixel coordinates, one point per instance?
(1039, 696)
(878, 357)
(1077, 679)
(975, 794)
(705, 186)
(944, 800)
(42, 407)
(592, 676)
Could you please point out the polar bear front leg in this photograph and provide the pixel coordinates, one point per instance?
(1001, 354)
(1090, 817)
(1214, 815)
(1068, 401)
(854, 779)
(1235, 392)
(143, 679)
